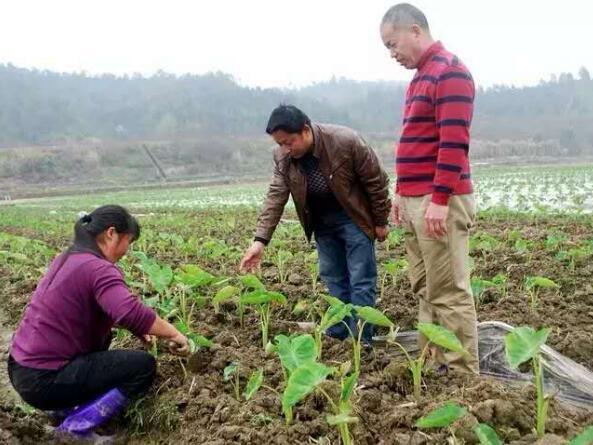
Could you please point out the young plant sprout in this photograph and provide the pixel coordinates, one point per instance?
(367, 314)
(392, 269)
(533, 286)
(231, 374)
(302, 382)
(334, 314)
(253, 384)
(342, 408)
(282, 259)
(523, 344)
(436, 335)
(443, 417)
(479, 286)
(263, 301)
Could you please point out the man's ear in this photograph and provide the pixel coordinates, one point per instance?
(417, 31)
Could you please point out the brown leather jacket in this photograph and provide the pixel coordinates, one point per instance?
(352, 171)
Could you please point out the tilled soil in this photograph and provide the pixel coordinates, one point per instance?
(190, 402)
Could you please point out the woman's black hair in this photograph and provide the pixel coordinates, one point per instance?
(89, 226)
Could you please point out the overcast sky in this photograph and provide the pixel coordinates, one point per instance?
(290, 42)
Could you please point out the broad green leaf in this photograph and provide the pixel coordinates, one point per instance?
(523, 343)
(332, 301)
(340, 419)
(373, 316)
(251, 282)
(442, 417)
(277, 297)
(200, 341)
(224, 294)
(255, 297)
(334, 315)
(160, 277)
(585, 438)
(295, 351)
(479, 285)
(254, 383)
(194, 276)
(441, 336)
(541, 282)
(229, 371)
(302, 382)
(486, 435)
(348, 385)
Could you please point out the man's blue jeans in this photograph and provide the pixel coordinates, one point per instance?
(348, 267)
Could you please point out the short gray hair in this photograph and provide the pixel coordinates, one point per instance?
(405, 14)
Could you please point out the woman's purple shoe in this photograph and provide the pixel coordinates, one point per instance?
(86, 418)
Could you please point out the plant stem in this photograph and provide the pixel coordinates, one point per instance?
(542, 402)
(318, 342)
(237, 387)
(265, 323)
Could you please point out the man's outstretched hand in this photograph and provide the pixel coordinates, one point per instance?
(252, 257)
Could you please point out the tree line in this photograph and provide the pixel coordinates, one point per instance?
(50, 108)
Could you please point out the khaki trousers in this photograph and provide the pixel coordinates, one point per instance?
(440, 276)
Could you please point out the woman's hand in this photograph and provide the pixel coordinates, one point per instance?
(179, 345)
(148, 340)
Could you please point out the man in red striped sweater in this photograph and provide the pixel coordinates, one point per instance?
(434, 199)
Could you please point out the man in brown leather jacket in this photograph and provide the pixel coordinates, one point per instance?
(341, 194)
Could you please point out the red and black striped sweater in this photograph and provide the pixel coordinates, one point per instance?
(432, 154)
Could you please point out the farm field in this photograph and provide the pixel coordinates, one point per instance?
(531, 251)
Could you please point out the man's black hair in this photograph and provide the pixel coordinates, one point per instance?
(288, 118)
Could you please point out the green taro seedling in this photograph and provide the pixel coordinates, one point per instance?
(443, 417)
(196, 341)
(253, 384)
(313, 267)
(342, 409)
(189, 279)
(501, 281)
(523, 344)
(367, 314)
(263, 301)
(250, 283)
(479, 286)
(392, 269)
(395, 238)
(231, 374)
(533, 286)
(335, 313)
(436, 335)
(282, 259)
(302, 382)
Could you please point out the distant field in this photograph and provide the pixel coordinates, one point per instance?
(541, 188)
